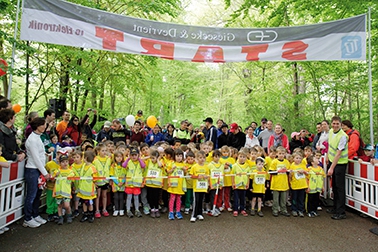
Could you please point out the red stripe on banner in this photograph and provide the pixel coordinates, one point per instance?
(376, 173)
(351, 168)
(363, 170)
(13, 171)
(376, 214)
(364, 208)
(10, 217)
(351, 203)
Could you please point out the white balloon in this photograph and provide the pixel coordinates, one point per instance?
(130, 120)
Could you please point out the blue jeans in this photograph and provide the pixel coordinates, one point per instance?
(297, 200)
(239, 200)
(33, 194)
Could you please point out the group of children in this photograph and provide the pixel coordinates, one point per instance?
(159, 176)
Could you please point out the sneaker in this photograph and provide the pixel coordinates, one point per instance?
(40, 220)
(60, 221)
(152, 214)
(179, 215)
(300, 214)
(146, 210)
(275, 214)
(259, 213)
(91, 217)
(221, 209)
(285, 214)
(253, 212)
(294, 213)
(186, 211)
(129, 214)
(31, 223)
(235, 213)
(229, 209)
(171, 216)
(157, 214)
(310, 215)
(138, 213)
(121, 212)
(330, 210)
(105, 213)
(319, 208)
(50, 218)
(200, 217)
(115, 213)
(288, 204)
(244, 213)
(84, 217)
(218, 212)
(5, 229)
(97, 214)
(193, 219)
(69, 218)
(76, 213)
(315, 214)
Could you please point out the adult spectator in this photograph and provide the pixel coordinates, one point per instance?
(318, 133)
(261, 127)
(74, 130)
(137, 133)
(30, 117)
(337, 160)
(295, 141)
(155, 136)
(322, 143)
(265, 135)
(119, 133)
(278, 138)
(86, 126)
(5, 103)
(353, 138)
(250, 139)
(254, 126)
(168, 136)
(237, 138)
(33, 168)
(182, 133)
(105, 132)
(211, 133)
(62, 125)
(223, 138)
(220, 122)
(49, 115)
(11, 150)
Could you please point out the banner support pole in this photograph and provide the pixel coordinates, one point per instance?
(13, 51)
(370, 80)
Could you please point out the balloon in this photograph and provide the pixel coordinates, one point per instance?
(151, 121)
(17, 108)
(3, 67)
(130, 120)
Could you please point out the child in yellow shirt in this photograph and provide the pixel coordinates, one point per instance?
(225, 192)
(216, 181)
(298, 184)
(315, 178)
(258, 177)
(190, 161)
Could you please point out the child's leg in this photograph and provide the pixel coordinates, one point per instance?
(253, 203)
(76, 202)
(226, 195)
(242, 199)
(90, 207)
(121, 200)
(104, 194)
(116, 200)
(197, 204)
(294, 200)
(97, 200)
(128, 201)
(283, 200)
(188, 198)
(236, 200)
(316, 202)
(143, 198)
(60, 207)
(51, 206)
(219, 199)
(212, 197)
(172, 198)
(67, 206)
(300, 200)
(259, 202)
(85, 207)
(178, 203)
(136, 202)
(276, 198)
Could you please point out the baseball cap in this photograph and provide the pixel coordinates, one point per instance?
(368, 147)
(63, 157)
(134, 151)
(264, 120)
(208, 119)
(295, 134)
(233, 127)
(107, 124)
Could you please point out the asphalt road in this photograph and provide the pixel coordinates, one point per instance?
(223, 233)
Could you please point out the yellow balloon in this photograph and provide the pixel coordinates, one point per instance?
(151, 121)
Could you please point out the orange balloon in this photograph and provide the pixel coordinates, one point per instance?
(17, 108)
(151, 121)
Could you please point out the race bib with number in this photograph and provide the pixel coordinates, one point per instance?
(153, 174)
(180, 173)
(259, 180)
(299, 176)
(202, 184)
(215, 174)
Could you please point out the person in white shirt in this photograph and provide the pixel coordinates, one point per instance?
(250, 139)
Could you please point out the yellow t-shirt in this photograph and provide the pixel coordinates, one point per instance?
(209, 157)
(200, 185)
(258, 181)
(51, 166)
(298, 180)
(189, 181)
(279, 181)
(268, 163)
(180, 188)
(227, 179)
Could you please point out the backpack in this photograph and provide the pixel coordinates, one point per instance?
(360, 151)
